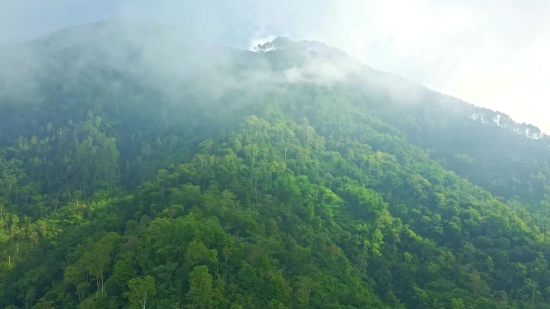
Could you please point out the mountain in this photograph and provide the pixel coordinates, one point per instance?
(142, 168)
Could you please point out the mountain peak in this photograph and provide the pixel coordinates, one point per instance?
(284, 43)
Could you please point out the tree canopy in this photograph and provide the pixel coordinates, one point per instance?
(116, 192)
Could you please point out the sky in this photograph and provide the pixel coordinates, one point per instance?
(492, 53)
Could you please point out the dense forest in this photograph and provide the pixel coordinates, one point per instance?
(140, 168)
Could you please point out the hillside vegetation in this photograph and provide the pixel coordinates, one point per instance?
(140, 169)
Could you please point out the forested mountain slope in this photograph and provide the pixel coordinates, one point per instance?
(142, 169)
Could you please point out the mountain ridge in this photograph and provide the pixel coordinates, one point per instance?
(121, 24)
(477, 112)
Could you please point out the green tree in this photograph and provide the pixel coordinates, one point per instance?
(201, 290)
(141, 289)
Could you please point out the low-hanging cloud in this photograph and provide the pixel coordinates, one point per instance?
(162, 57)
(492, 53)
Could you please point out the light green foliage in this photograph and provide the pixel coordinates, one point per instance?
(201, 291)
(141, 290)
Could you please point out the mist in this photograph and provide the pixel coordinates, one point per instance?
(165, 58)
(488, 53)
